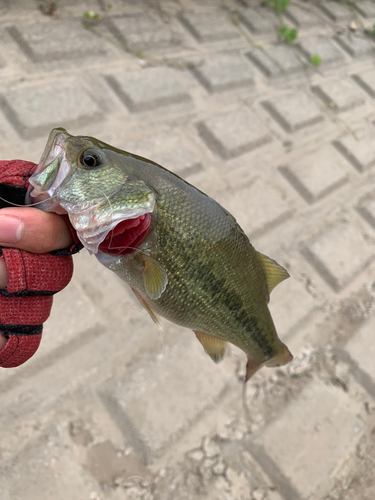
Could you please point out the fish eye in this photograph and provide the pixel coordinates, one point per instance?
(90, 159)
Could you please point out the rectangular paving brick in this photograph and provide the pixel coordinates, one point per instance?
(336, 11)
(258, 207)
(235, 486)
(317, 175)
(101, 286)
(36, 471)
(148, 89)
(34, 110)
(339, 253)
(83, 6)
(366, 208)
(366, 9)
(259, 21)
(276, 60)
(152, 413)
(8, 135)
(261, 485)
(74, 300)
(367, 81)
(63, 40)
(361, 348)
(339, 95)
(325, 48)
(303, 16)
(224, 72)
(290, 305)
(358, 46)
(143, 32)
(210, 27)
(358, 148)
(322, 422)
(162, 147)
(234, 133)
(293, 110)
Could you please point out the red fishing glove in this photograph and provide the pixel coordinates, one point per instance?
(32, 278)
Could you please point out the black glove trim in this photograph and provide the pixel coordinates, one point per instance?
(19, 330)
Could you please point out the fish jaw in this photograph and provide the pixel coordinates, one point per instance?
(52, 170)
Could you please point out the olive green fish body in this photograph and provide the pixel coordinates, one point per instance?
(206, 291)
(196, 267)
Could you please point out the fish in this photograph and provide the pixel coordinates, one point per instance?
(184, 256)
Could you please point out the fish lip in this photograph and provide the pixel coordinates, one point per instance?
(54, 150)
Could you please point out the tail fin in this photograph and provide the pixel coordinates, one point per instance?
(283, 357)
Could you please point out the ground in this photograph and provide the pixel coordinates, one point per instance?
(282, 135)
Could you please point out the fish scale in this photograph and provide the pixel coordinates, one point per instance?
(195, 267)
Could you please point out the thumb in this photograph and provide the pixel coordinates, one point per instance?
(32, 230)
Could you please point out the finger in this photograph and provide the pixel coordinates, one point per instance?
(32, 230)
(3, 341)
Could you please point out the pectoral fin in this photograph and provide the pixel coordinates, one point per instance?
(274, 272)
(154, 277)
(213, 346)
(150, 311)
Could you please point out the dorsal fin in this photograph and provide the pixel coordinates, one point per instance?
(274, 272)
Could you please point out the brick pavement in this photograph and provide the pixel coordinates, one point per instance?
(110, 408)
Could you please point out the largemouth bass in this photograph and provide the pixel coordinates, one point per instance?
(184, 256)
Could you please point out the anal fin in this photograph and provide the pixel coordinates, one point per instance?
(213, 346)
(150, 311)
